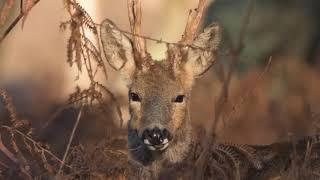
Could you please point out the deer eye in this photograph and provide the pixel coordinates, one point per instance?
(179, 99)
(134, 97)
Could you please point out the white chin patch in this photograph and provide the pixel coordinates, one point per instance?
(160, 147)
(151, 148)
(146, 141)
(164, 147)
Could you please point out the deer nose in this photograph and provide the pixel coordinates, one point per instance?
(156, 139)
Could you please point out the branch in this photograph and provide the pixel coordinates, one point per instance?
(70, 141)
(16, 20)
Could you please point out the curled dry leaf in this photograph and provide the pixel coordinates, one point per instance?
(26, 7)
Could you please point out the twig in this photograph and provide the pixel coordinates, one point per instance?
(55, 115)
(5, 151)
(245, 24)
(223, 97)
(159, 40)
(34, 142)
(7, 101)
(250, 92)
(70, 141)
(15, 21)
(235, 53)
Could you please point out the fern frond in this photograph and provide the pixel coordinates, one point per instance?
(85, 17)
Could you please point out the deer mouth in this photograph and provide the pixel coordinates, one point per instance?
(156, 139)
(158, 146)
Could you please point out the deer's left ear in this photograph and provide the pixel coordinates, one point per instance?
(118, 49)
(203, 55)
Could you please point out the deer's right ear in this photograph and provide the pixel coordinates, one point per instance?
(204, 55)
(117, 48)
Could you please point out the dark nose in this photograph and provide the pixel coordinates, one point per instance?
(156, 136)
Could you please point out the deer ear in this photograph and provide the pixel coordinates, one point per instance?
(200, 58)
(117, 48)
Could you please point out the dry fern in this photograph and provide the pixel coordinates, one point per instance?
(32, 158)
(81, 50)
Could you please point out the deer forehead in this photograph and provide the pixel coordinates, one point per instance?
(159, 79)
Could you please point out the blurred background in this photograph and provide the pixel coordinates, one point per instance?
(266, 102)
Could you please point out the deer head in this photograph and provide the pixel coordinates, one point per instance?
(159, 91)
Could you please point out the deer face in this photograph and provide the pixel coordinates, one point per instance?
(159, 91)
(158, 104)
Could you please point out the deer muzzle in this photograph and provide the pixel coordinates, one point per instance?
(156, 139)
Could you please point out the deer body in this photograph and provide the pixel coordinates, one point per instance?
(161, 141)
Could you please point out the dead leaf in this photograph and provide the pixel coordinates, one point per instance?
(26, 7)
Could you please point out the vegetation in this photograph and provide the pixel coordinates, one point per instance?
(25, 156)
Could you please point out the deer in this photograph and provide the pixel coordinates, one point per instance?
(161, 140)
